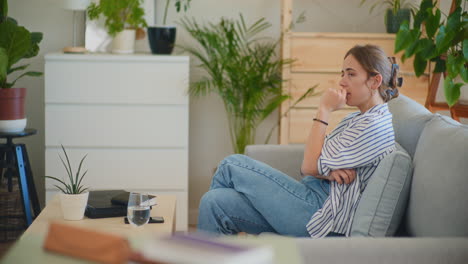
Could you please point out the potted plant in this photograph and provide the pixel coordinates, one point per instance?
(243, 70)
(162, 37)
(16, 43)
(444, 42)
(122, 19)
(397, 11)
(73, 196)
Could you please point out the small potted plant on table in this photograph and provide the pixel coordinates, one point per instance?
(73, 196)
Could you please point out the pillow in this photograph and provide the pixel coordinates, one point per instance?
(409, 119)
(383, 202)
(438, 202)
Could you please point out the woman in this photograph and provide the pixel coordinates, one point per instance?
(249, 196)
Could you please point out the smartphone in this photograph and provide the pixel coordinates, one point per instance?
(152, 220)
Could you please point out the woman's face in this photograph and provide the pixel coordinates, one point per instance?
(354, 79)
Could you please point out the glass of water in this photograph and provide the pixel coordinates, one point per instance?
(138, 210)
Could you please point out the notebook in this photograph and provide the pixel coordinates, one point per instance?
(100, 205)
(197, 248)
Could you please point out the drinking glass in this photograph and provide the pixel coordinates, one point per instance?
(138, 210)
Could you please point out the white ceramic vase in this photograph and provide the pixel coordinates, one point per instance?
(124, 42)
(13, 126)
(73, 205)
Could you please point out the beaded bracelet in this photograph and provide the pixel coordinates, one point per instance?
(321, 121)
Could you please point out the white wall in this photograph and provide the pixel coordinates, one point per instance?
(209, 140)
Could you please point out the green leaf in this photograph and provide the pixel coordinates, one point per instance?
(452, 66)
(81, 178)
(443, 40)
(465, 49)
(36, 38)
(453, 20)
(414, 46)
(60, 181)
(451, 91)
(403, 58)
(16, 40)
(464, 72)
(440, 65)
(427, 49)
(19, 68)
(432, 23)
(79, 169)
(422, 13)
(419, 64)
(3, 66)
(67, 165)
(403, 37)
(3, 10)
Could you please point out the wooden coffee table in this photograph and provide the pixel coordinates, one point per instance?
(166, 207)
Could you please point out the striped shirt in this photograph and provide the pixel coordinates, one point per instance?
(360, 141)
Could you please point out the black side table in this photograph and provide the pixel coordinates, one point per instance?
(14, 158)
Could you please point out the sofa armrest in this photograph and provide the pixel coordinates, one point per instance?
(358, 250)
(286, 158)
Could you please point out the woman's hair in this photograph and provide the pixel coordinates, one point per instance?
(374, 61)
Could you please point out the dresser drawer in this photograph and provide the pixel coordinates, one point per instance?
(112, 81)
(116, 125)
(124, 168)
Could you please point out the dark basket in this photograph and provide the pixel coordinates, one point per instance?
(12, 222)
(393, 21)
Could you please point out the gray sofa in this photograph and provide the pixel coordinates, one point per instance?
(434, 228)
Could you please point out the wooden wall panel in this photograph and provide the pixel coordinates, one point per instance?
(325, 52)
(319, 58)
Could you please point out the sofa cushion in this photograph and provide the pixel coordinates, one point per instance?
(285, 158)
(438, 204)
(409, 119)
(384, 200)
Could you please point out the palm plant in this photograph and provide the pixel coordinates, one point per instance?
(242, 69)
(74, 186)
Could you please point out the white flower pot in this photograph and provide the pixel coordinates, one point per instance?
(124, 42)
(13, 126)
(73, 205)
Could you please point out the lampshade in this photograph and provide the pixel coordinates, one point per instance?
(75, 4)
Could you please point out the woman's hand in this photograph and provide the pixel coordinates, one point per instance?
(342, 176)
(333, 99)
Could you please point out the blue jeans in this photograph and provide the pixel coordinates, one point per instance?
(247, 195)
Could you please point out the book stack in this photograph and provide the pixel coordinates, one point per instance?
(109, 203)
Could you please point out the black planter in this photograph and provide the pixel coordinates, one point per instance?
(161, 39)
(393, 21)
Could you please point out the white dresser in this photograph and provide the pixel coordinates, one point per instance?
(129, 113)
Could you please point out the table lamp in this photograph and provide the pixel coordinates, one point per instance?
(75, 5)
